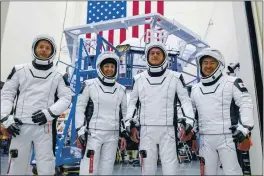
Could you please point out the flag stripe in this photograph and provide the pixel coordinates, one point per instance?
(111, 37)
(122, 35)
(160, 7)
(101, 34)
(107, 10)
(135, 12)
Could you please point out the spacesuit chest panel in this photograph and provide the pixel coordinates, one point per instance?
(107, 102)
(213, 106)
(37, 90)
(156, 100)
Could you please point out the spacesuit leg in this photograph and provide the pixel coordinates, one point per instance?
(93, 143)
(107, 157)
(44, 149)
(149, 165)
(228, 156)
(22, 143)
(168, 152)
(209, 153)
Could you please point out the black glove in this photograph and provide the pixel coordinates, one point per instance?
(188, 128)
(14, 127)
(83, 139)
(82, 134)
(238, 135)
(129, 124)
(39, 117)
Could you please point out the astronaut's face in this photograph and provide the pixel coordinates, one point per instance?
(209, 64)
(108, 69)
(155, 57)
(43, 49)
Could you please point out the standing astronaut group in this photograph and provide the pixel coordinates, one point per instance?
(219, 110)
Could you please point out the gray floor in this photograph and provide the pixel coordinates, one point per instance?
(191, 168)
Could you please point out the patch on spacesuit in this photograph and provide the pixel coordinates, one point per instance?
(240, 85)
(12, 73)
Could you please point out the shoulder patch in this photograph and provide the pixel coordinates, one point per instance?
(240, 85)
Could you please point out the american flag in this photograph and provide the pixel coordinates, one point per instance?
(105, 10)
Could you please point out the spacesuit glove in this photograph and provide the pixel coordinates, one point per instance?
(186, 133)
(241, 137)
(245, 144)
(82, 132)
(41, 117)
(12, 125)
(183, 124)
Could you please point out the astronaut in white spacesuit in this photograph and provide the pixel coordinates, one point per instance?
(221, 101)
(101, 106)
(39, 94)
(158, 89)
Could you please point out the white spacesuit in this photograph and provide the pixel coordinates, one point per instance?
(38, 94)
(221, 101)
(101, 107)
(157, 90)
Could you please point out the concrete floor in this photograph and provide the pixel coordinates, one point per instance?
(191, 168)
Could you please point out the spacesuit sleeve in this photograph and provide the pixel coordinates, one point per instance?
(193, 103)
(82, 101)
(124, 105)
(132, 102)
(8, 93)
(244, 102)
(64, 99)
(185, 101)
(195, 127)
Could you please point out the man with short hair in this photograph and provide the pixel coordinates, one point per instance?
(158, 89)
(39, 94)
(224, 106)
